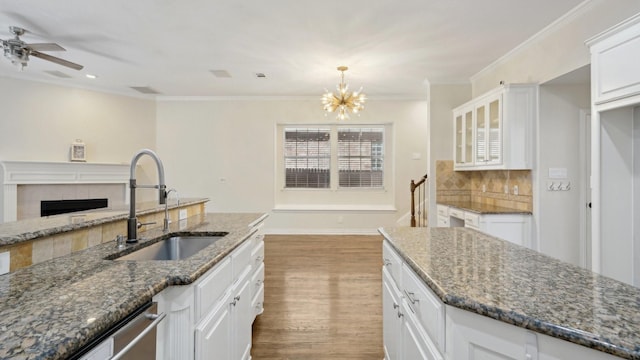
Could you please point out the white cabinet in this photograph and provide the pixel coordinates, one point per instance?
(413, 317)
(391, 314)
(214, 315)
(615, 73)
(615, 152)
(443, 215)
(515, 228)
(213, 335)
(495, 130)
(463, 137)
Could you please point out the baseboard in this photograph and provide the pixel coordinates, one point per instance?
(268, 231)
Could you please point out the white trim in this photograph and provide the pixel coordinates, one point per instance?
(613, 30)
(316, 98)
(566, 18)
(14, 173)
(305, 231)
(584, 186)
(332, 208)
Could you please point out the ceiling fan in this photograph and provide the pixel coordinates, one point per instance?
(18, 51)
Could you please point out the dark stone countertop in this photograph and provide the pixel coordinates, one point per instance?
(492, 277)
(51, 309)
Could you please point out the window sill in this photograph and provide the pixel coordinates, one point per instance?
(330, 208)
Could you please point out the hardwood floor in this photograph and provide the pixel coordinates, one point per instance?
(323, 298)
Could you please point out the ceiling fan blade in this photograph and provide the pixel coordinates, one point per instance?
(56, 60)
(45, 47)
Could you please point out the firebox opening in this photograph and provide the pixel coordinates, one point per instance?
(54, 207)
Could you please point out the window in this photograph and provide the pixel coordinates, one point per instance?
(307, 157)
(314, 157)
(360, 157)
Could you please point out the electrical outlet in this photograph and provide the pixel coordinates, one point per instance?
(506, 189)
(484, 188)
(182, 214)
(515, 190)
(340, 219)
(5, 259)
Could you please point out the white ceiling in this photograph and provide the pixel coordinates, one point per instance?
(390, 46)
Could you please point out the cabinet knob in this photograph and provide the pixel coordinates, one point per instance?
(400, 314)
(235, 300)
(386, 262)
(395, 306)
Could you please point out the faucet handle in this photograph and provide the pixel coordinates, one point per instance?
(140, 224)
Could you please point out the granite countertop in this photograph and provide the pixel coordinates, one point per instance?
(482, 208)
(23, 230)
(51, 309)
(519, 286)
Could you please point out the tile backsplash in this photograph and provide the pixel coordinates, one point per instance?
(468, 186)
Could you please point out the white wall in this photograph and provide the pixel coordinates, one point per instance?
(225, 150)
(40, 121)
(558, 50)
(557, 213)
(443, 99)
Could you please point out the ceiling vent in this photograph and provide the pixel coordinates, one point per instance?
(145, 89)
(261, 76)
(59, 74)
(221, 73)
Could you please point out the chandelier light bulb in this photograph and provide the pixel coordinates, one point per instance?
(344, 101)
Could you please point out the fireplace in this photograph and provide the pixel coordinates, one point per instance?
(55, 207)
(25, 184)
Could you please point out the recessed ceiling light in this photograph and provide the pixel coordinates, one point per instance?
(145, 89)
(261, 75)
(221, 73)
(59, 74)
(91, 76)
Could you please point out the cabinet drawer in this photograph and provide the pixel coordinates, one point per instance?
(241, 258)
(457, 213)
(426, 306)
(443, 210)
(257, 279)
(443, 221)
(392, 261)
(257, 254)
(472, 220)
(212, 287)
(257, 303)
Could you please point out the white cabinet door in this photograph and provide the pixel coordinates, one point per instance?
(473, 337)
(390, 319)
(242, 319)
(213, 336)
(415, 344)
(463, 137)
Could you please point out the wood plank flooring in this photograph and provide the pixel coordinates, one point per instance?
(323, 298)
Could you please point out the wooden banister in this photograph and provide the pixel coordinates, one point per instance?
(416, 186)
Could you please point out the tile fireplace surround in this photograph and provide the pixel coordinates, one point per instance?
(33, 181)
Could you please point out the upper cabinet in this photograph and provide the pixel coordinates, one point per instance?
(614, 62)
(495, 130)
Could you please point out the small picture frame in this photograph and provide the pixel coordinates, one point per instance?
(78, 151)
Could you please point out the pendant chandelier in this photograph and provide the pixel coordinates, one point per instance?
(344, 101)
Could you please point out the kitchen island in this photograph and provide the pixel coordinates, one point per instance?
(509, 284)
(52, 309)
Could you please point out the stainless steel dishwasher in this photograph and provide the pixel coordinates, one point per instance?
(137, 338)
(132, 338)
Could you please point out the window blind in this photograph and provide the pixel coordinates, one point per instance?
(360, 157)
(307, 157)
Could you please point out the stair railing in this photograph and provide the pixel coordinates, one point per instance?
(420, 186)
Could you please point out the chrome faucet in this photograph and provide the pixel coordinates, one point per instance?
(165, 228)
(132, 223)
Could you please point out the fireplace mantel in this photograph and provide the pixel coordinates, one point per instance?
(14, 173)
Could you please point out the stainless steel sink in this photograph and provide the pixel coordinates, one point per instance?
(173, 248)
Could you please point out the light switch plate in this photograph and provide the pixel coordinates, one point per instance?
(5, 259)
(557, 173)
(182, 214)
